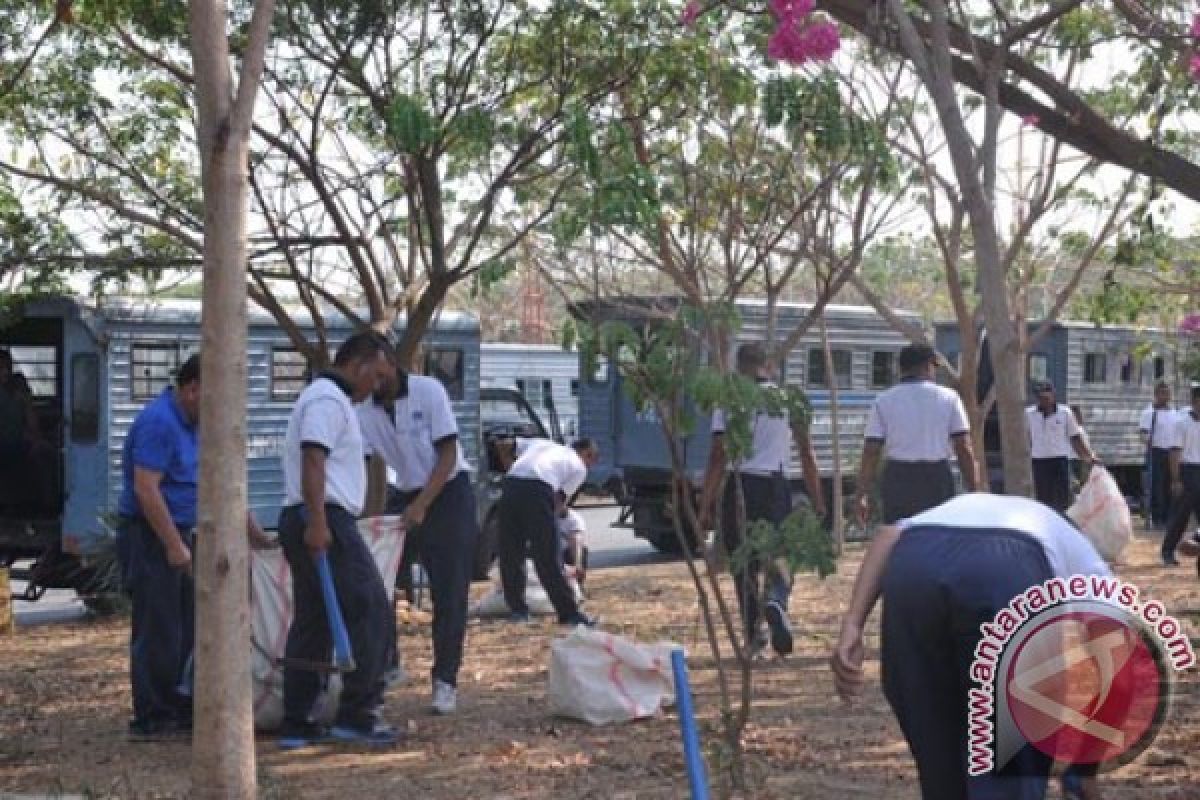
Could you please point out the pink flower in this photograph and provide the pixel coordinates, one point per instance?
(690, 13)
(823, 40)
(1195, 30)
(1031, 119)
(1190, 323)
(795, 45)
(791, 10)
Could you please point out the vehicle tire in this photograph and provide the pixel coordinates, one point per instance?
(651, 524)
(487, 549)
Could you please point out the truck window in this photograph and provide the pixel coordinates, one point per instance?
(39, 365)
(1039, 367)
(1160, 368)
(289, 374)
(1128, 369)
(446, 365)
(883, 369)
(1095, 368)
(152, 366)
(841, 367)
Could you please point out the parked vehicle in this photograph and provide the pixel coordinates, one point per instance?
(92, 366)
(1106, 374)
(634, 463)
(547, 375)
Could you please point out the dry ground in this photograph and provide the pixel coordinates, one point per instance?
(64, 703)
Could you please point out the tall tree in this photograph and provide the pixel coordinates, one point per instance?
(223, 736)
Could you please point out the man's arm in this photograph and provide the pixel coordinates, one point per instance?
(847, 657)
(714, 471)
(376, 499)
(808, 466)
(1082, 450)
(447, 459)
(1174, 460)
(312, 485)
(964, 450)
(146, 487)
(872, 450)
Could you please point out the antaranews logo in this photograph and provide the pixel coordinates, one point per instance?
(1081, 668)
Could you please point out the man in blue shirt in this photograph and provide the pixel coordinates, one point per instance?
(157, 515)
(157, 512)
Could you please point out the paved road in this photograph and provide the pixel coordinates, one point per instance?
(609, 547)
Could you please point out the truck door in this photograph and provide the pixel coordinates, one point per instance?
(86, 471)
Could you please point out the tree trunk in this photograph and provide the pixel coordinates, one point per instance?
(223, 764)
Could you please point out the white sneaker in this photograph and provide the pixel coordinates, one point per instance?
(445, 698)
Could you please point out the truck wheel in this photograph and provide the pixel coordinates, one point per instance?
(487, 549)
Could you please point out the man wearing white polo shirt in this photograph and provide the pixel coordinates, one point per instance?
(1053, 433)
(410, 424)
(1155, 427)
(915, 423)
(325, 481)
(537, 489)
(1185, 476)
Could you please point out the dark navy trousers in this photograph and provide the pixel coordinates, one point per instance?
(365, 609)
(940, 585)
(769, 498)
(527, 525)
(163, 625)
(445, 546)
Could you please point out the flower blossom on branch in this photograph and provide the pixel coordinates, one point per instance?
(798, 38)
(1190, 323)
(691, 12)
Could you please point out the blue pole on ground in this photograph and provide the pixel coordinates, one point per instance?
(687, 726)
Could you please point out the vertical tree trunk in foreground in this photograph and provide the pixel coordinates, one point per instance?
(223, 764)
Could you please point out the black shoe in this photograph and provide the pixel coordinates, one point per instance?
(781, 628)
(519, 617)
(294, 736)
(1169, 560)
(375, 735)
(580, 618)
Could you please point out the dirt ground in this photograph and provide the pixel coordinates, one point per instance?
(64, 703)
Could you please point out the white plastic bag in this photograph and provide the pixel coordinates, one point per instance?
(271, 616)
(1102, 514)
(537, 601)
(601, 678)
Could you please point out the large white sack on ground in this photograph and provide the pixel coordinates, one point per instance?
(492, 604)
(602, 678)
(271, 616)
(1102, 514)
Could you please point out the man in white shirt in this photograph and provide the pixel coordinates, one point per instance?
(572, 535)
(1155, 428)
(1185, 476)
(410, 424)
(536, 491)
(1053, 433)
(916, 423)
(325, 481)
(767, 495)
(942, 574)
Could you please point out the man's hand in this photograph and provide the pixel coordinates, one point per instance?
(846, 662)
(316, 535)
(414, 514)
(179, 556)
(863, 508)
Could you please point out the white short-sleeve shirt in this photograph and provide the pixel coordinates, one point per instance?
(1157, 423)
(554, 464)
(324, 417)
(1050, 434)
(1187, 437)
(405, 438)
(771, 445)
(1068, 551)
(915, 420)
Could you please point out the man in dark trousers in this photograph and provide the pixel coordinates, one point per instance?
(325, 482)
(1053, 434)
(767, 494)
(916, 422)
(410, 424)
(1155, 426)
(942, 574)
(157, 515)
(1185, 476)
(537, 489)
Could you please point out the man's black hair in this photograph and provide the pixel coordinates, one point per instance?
(915, 356)
(190, 371)
(582, 444)
(362, 346)
(1161, 385)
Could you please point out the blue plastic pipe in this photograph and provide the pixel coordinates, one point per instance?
(687, 726)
